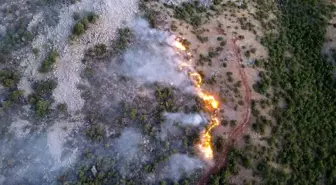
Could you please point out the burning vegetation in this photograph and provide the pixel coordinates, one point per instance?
(211, 106)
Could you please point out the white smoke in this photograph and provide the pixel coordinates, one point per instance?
(152, 59)
(128, 148)
(174, 122)
(169, 129)
(20, 128)
(37, 157)
(180, 164)
(127, 144)
(185, 119)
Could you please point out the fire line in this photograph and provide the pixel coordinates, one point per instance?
(211, 104)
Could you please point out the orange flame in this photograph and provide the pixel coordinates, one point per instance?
(205, 145)
(179, 45)
(209, 100)
(197, 79)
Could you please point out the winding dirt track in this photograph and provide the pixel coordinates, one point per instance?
(236, 134)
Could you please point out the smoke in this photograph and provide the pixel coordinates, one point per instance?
(152, 59)
(127, 144)
(169, 129)
(174, 122)
(185, 119)
(179, 165)
(20, 128)
(33, 154)
(129, 153)
(36, 153)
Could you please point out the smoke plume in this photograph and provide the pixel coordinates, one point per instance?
(181, 164)
(185, 119)
(152, 59)
(129, 153)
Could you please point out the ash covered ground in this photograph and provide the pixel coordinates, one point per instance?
(91, 94)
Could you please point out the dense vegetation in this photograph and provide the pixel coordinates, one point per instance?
(190, 12)
(235, 158)
(302, 141)
(306, 128)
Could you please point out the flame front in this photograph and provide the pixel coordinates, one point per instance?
(196, 78)
(179, 45)
(205, 145)
(209, 100)
(211, 103)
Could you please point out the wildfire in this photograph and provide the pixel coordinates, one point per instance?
(205, 145)
(197, 79)
(209, 100)
(179, 45)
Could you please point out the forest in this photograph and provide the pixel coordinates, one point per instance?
(305, 129)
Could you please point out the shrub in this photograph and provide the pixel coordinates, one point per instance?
(247, 54)
(124, 39)
(48, 63)
(8, 83)
(74, 1)
(85, 23)
(45, 88)
(223, 43)
(76, 16)
(202, 39)
(42, 107)
(218, 49)
(96, 132)
(79, 29)
(219, 144)
(186, 43)
(98, 50)
(41, 99)
(196, 21)
(36, 51)
(63, 107)
(233, 122)
(150, 15)
(224, 122)
(8, 78)
(92, 18)
(173, 27)
(133, 114)
(16, 95)
(217, 2)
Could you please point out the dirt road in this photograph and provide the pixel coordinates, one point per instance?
(236, 134)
